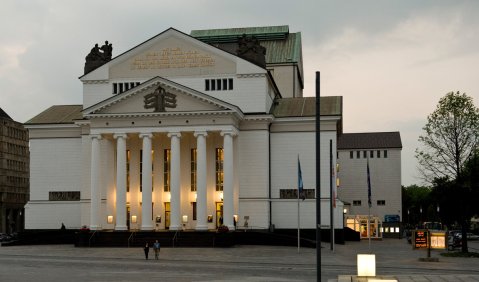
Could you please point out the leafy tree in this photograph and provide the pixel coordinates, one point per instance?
(451, 137)
(414, 199)
(450, 141)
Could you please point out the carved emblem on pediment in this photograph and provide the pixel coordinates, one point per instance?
(159, 100)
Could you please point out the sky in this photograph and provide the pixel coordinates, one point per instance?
(390, 60)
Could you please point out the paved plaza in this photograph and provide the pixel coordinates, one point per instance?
(394, 259)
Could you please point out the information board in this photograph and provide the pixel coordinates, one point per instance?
(420, 239)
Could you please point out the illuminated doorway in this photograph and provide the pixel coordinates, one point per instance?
(167, 215)
(219, 214)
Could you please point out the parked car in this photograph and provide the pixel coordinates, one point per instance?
(470, 236)
(5, 237)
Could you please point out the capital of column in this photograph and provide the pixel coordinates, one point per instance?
(176, 134)
(231, 133)
(120, 135)
(145, 135)
(95, 136)
(200, 133)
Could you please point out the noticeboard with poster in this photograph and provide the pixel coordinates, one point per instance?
(420, 239)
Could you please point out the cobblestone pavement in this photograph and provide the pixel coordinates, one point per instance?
(394, 259)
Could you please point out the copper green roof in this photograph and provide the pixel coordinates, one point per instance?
(59, 114)
(225, 35)
(281, 45)
(306, 107)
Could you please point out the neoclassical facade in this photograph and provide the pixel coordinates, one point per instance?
(185, 132)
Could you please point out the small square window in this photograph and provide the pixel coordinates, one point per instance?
(356, 202)
(381, 202)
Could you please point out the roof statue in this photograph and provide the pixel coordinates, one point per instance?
(250, 49)
(98, 56)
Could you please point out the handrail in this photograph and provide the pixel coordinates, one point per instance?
(89, 239)
(131, 237)
(175, 237)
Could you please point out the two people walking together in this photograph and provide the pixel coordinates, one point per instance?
(156, 248)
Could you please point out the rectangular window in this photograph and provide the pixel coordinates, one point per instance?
(381, 202)
(213, 84)
(127, 86)
(207, 85)
(385, 153)
(358, 154)
(225, 84)
(193, 204)
(357, 203)
(115, 88)
(378, 153)
(365, 154)
(230, 84)
(132, 84)
(193, 170)
(128, 156)
(219, 169)
(121, 88)
(166, 170)
(371, 154)
(218, 84)
(351, 154)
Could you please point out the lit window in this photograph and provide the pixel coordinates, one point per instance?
(219, 169)
(381, 202)
(166, 170)
(193, 172)
(357, 203)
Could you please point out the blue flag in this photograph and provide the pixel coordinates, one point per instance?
(300, 182)
(369, 185)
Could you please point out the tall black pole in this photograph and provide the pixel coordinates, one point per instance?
(331, 196)
(318, 184)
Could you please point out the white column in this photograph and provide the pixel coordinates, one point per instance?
(201, 202)
(228, 202)
(175, 202)
(95, 183)
(120, 181)
(146, 220)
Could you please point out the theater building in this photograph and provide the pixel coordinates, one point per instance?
(185, 132)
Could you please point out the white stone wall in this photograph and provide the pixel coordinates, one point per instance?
(385, 174)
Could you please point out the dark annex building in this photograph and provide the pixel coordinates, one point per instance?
(14, 174)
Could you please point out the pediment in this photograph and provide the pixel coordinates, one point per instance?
(170, 54)
(159, 96)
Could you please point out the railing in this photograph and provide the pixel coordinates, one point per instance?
(175, 238)
(131, 238)
(89, 239)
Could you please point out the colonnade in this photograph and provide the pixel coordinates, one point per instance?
(175, 189)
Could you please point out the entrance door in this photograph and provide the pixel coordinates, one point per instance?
(128, 217)
(219, 214)
(167, 215)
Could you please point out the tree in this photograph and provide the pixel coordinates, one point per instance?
(451, 140)
(451, 137)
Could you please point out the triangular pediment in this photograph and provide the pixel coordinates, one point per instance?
(171, 54)
(159, 96)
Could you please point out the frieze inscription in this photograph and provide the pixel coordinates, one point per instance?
(170, 58)
(64, 196)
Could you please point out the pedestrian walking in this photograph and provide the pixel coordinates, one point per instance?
(156, 248)
(146, 249)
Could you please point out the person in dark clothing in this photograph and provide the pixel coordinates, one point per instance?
(146, 249)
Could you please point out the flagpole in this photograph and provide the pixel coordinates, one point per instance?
(369, 205)
(298, 219)
(318, 181)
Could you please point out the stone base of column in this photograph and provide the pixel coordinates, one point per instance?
(95, 227)
(121, 228)
(201, 227)
(146, 228)
(177, 227)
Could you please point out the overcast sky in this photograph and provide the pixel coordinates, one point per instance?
(390, 60)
